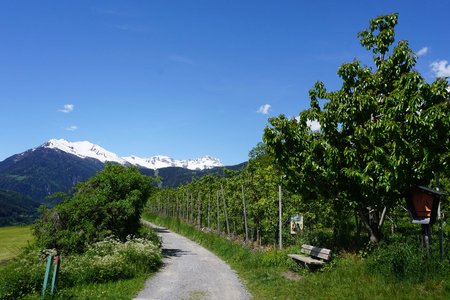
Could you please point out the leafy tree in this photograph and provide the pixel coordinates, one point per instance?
(110, 203)
(383, 132)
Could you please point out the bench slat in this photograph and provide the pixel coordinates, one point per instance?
(306, 259)
(322, 253)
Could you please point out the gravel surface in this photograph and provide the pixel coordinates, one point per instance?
(191, 272)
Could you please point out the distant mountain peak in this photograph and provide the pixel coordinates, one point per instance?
(162, 161)
(85, 149)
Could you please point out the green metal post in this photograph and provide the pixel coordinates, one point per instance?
(55, 273)
(47, 274)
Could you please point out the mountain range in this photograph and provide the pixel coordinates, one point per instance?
(89, 150)
(28, 178)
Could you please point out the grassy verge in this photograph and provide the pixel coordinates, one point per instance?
(12, 240)
(122, 289)
(270, 274)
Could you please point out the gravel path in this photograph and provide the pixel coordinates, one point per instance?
(191, 272)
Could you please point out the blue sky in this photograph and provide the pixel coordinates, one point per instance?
(184, 78)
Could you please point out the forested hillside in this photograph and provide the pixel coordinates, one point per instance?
(16, 208)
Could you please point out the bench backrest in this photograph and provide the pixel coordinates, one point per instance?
(322, 253)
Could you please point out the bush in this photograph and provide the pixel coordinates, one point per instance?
(320, 237)
(111, 260)
(110, 203)
(149, 234)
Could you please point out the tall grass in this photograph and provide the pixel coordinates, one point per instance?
(264, 272)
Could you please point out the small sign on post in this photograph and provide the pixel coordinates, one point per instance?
(296, 223)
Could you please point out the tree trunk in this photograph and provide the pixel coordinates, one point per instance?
(373, 221)
(358, 228)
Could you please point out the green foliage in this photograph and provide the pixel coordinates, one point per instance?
(111, 260)
(383, 132)
(108, 204)
(22, 275)
(320, 237)
(149, 234)
(16, 209)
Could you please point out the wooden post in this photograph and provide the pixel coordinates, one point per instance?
(441, 234)
(218, 213)
(186, 207)
(245, 215)
(280, 221)
(199, 220)
(209, 208)
(225, 211)
(426, 236)
(192, 209)
(178, 207)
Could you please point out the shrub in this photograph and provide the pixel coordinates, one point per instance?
(320, 237)
(149, 234)
(110, 203)
(112, 259)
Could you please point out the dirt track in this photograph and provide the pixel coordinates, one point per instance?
(191, 272)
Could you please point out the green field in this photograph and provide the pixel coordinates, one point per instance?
(13, 239)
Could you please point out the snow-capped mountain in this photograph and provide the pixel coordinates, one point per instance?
(160, 161)
(58, 165)
(86, 149)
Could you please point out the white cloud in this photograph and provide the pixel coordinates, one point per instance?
(72, 128)
(68, 108)
(314, 125)
(264, 109)
(422, 51)
(440, 68)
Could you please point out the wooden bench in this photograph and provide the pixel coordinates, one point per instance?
(316, 256)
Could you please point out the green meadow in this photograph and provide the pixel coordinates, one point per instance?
(13, 239)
